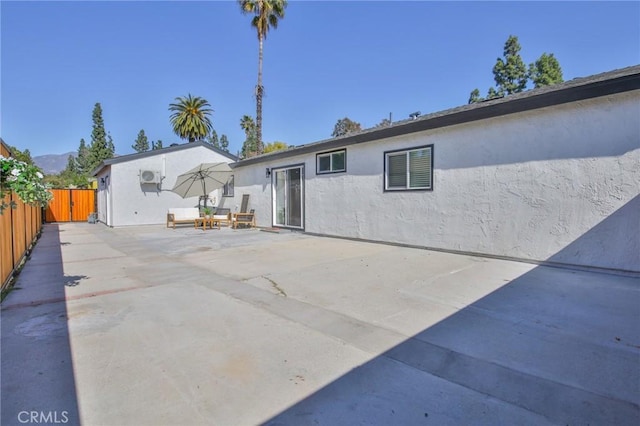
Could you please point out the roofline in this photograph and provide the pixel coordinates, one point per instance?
(138, 155)
(612, 82)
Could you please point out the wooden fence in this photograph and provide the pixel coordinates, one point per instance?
(19, 229)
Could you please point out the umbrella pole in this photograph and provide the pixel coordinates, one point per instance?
(204, 190)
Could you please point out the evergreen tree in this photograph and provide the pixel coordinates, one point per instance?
(224, 143)
(474, 97)
(83, 159)
(111, 149)
(212, 138)
(141, 144)
(156, 145)
(385, 122)
(545, 71)
(100, 148)
(510, 73)
(345, 126)
(72, 165)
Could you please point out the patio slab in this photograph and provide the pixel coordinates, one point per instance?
(157, 326)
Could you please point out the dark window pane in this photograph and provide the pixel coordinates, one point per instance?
(324, 163)
(338, 161)
(397, 171)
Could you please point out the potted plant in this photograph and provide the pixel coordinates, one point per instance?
(207, 212)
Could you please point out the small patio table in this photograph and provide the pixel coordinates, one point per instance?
(203, 222)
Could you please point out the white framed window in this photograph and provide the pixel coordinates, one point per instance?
(331, 162)
(409, 169)
(227, 190)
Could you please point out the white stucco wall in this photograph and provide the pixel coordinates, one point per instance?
(133, 203)
(557, 184)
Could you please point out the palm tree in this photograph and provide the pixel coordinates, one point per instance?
(266, 15)
(190, 117)
(249, 147)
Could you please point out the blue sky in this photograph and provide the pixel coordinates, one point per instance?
(326, 60)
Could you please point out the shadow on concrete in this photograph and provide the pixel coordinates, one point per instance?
(555, 345)
(73, 280)
(37, 381)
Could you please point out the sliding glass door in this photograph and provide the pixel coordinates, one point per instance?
(288, 197)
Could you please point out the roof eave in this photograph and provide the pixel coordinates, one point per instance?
(572, 91)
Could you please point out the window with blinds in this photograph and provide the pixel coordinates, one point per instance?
(410, 169)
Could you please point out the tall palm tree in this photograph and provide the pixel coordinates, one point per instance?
(190, 117)
(266, 15)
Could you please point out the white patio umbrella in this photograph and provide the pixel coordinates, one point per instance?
(202, 180)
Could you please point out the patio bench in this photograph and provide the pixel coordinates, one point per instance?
(182, 215)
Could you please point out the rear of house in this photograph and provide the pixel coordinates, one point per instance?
(550, 175)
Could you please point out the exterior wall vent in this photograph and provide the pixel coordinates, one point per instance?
(149, 176)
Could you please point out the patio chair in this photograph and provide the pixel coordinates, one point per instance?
(245, 219)
(222, 215)
(244, 205)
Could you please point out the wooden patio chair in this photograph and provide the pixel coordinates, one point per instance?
(244, 219)
(222, 215)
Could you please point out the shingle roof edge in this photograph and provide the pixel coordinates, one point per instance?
(138, 155)
(617, 81)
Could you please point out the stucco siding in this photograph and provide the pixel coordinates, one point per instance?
(134, 203)
(556, 184)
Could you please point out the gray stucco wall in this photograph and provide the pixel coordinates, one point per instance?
(558, 184)
(133, 203)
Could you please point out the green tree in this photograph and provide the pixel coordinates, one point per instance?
(474, 97)
(83, 160)
(156, 145)
(266, 14)
(24, 156)
(190, 117)
(70, 177)
(111, 148)
(275, 146)
(224, 143)
(212, 138)
(385, 122)
(141, 144)
(100, 148)
(72, 165)
(545, 71)
(250, 146)
(345, 126)
(510, 73)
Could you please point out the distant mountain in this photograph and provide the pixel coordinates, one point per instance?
(52, 164)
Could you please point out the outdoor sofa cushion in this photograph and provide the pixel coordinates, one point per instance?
(182, 215)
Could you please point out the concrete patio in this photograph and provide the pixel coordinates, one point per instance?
(155, 326)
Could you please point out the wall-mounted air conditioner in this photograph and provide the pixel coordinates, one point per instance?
(150, 176)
